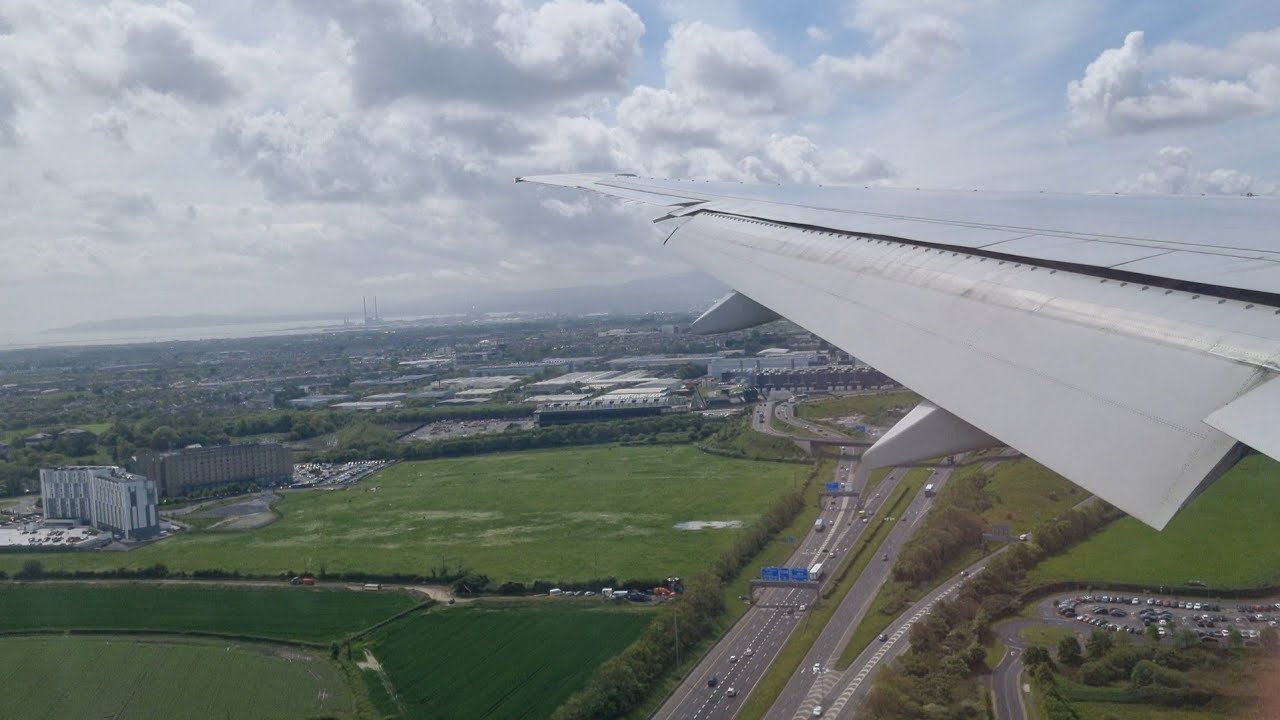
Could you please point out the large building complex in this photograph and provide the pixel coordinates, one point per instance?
(179, 472)
(106, 497)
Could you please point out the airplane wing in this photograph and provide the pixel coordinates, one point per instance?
(1129, 343)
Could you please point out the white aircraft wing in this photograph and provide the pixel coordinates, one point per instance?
(1126, 342)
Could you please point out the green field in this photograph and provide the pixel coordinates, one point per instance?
(1228, 537)
(557, 515)
(1135, 711)
(875, 408)
(124, 678)
(1025, 493)
(517, 661)
(290, 613)
(1045, 635)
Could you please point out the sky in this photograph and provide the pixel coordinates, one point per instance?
(276, 156)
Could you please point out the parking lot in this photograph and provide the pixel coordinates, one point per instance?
(1212, 621)
(330, 474)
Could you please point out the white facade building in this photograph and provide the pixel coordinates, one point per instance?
(104, 496)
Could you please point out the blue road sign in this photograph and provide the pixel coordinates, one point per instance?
(833, 487)
(771, 573)
(799, 574)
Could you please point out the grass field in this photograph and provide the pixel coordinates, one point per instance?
(876, 408)
(291, 613)
(514, 661)
(1025, 493)
(1047, 636)
(557, 515)
(1227, 537)
(125, 678)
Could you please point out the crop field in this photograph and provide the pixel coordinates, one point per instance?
(512, 661)
(1226, 538)
(876, 408)
(290, 613)
(127, 678)
(557, 515)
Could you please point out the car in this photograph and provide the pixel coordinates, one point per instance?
(817, 667)
(883, 637)
(803, 607)
(731, 692)
(1024, 537)
(713, 681)
(817, 711)
(748, 653)
(733, 659)
(885, 557)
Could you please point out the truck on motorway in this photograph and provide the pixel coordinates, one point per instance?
(929, 491)
(819, 524)
(815, 572)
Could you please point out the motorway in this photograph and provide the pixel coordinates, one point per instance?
(817, 680)
(765, 630)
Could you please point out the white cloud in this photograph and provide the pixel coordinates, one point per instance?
(1171, 173)
(491, 52)
(1122, 90)
(909, 40)
(817, 34)
(736, 71)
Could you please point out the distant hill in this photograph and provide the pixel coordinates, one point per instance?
(673, 293)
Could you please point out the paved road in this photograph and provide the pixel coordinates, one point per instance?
(766, 629)
(807, 688)
(845, 696)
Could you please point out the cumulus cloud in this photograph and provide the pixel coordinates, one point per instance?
(161, 57)
(493, 52)
(1130, 89)
(736, 70)
(909, 40)
(1172, 173)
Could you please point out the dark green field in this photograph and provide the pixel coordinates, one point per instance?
(518, 661)
(1227, 538)
(127, 678)
(290, 613)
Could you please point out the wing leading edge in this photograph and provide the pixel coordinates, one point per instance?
(1137, 387)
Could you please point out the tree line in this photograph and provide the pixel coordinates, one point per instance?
(936, 677)
(624, 682)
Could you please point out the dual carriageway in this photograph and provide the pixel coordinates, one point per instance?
(742, 657)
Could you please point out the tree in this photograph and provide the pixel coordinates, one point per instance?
(1069, 652)
(31, 570)
(1099, 644)
(691, 371)
(1270, 639)
(1153, 633)
(164, 438)
(1185, 638)
(1234, 639)
(1036, 655)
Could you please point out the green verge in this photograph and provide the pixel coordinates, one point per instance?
(291, 613)
(788, 660)
(500, 659)
(132, 679)
(890, 601)
(1226, 538)
(1046, 636)
(775, 553)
